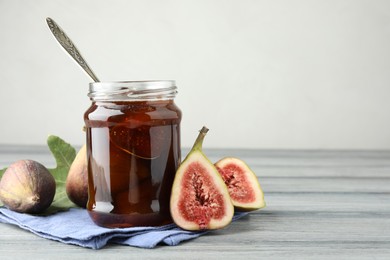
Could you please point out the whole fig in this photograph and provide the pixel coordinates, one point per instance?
(77, 180)
(27, 187)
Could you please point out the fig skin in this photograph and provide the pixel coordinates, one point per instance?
(77, 179)
(199, 197)
(242, 183)
(27, 187)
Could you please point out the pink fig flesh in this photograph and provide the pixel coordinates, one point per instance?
(199, 198)
(244, 188)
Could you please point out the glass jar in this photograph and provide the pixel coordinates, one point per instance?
(133, 151)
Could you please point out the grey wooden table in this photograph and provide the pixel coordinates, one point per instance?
(320, 205)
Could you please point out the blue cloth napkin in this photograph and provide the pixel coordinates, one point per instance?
(75, 227)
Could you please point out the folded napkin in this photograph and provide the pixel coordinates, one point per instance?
(75, 227)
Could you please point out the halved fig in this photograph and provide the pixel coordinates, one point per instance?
(244, 188)
(200, 199)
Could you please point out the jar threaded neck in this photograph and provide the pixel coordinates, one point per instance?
(132, 90)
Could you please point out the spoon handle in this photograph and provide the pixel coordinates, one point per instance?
(69, 46)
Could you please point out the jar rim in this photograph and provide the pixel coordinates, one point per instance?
(132, 90)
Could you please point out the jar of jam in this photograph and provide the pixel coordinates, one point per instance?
(133, 151)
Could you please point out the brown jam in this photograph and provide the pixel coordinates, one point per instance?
(133, 150)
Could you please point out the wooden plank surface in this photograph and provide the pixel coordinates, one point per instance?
(320, 205)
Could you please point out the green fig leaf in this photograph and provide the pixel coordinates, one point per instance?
(64, 154)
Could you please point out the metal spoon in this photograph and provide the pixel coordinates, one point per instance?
(70, 48)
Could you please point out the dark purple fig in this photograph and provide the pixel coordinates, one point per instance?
(27, 187)
(242, 183)
(77, 179)
(199, 198)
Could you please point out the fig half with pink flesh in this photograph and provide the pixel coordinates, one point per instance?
(200, 199)
(244, 188)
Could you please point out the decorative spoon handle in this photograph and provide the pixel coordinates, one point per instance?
(69, 46)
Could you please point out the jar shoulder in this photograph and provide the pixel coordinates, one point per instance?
(146, 110)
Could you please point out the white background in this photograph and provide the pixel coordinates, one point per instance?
(260, 74)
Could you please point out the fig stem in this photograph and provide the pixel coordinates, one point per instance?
(199, 140)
